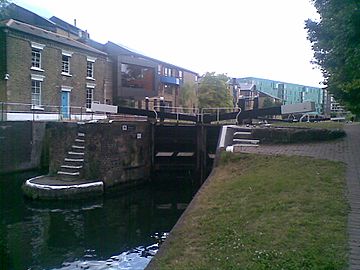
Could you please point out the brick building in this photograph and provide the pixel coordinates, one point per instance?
(56, 76)
(58, 71)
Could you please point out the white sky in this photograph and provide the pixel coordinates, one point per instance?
(257, 38)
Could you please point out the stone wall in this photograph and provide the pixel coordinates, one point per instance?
(21, 145)
(116, 153)
(60, 136)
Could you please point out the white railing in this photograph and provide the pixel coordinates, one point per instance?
(14, 111)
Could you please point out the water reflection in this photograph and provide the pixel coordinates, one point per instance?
(118, 231)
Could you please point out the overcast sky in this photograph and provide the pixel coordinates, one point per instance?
(257, 38)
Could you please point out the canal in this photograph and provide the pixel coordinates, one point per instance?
(117, 231)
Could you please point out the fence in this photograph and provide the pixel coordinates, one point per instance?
(10, 111)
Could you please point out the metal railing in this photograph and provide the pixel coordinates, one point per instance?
(15, 111)
(217, 112)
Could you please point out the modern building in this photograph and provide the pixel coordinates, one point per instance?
(290, 93)
(137, 77)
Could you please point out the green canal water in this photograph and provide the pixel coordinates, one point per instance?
(117, 231)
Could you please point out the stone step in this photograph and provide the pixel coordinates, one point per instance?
(71, 166)
(245, 145)
(74, 159)
(78, 147)
(242, 129)
(80, 134)
(76, 153)
(245, 141)
(242, 135)
(238, 147)
(69, 173)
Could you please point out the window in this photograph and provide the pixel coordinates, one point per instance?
(35, 93)
(65, 68)
(134, 76)
(90, 69)
(36, 50)
(36, 58)
(65, 62)
(89, 97)
(36, 81)
(167, 72)
(180, 74)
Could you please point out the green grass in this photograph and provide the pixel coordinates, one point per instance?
(325, 124)
(264, 212)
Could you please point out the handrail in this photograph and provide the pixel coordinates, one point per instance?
(28, 111)
(217, 112)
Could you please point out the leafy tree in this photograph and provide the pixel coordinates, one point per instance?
(187, 96)
(268, 103)
(336, 43)
(3, 5)
(213, 91)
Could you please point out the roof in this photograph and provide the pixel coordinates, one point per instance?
(275, 81)
(127, 51)
(21, 14)
(38, 32)
(269, 95)
(246, 86)
(66, 26)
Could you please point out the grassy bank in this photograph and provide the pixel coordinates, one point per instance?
(325, 124)
(264, 212)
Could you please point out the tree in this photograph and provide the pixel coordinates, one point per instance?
(268, 103)
(187, 96)
(213, 91)
(336, 43)
(3, 5)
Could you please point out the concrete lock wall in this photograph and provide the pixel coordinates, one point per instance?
(21, 145)
(115, 153)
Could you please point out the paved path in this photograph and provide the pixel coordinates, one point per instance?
(346, 150)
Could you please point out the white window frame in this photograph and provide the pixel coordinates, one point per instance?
(89, 86)
(90, 61)
(36, 48)
(67, 70)
(39, 79)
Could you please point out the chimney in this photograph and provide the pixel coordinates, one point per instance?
(74, 22)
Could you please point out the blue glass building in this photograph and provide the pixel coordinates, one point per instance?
(290, 93)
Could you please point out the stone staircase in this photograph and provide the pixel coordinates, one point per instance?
(74, 159)
(242, 138)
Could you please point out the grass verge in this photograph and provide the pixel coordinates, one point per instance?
(325, 124)
(264, 212)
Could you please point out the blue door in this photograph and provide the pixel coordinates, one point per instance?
(65, 106)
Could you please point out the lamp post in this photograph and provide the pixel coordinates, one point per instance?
(234, 91)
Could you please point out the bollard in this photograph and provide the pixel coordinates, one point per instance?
(162, 109)
(256, 103)
(241, 103)
(147, 103)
